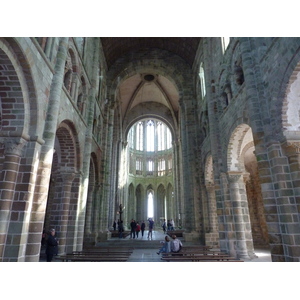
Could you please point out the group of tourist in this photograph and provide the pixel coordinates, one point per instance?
(135, 228)
(170, 246)
(168, 226)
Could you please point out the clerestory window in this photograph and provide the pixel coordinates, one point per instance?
(225, 42)
(202, 81)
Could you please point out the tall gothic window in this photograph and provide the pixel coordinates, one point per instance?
(225, 42)
(139, 136)
(150, 135)
(150, 165)
(150, 205)
(160, 136)
(138, 166)
(161, 167)
(202, 81)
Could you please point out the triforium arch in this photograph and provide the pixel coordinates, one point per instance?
(62, 203)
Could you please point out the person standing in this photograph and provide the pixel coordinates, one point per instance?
(151, 225)
(172, 224)
(121, 229)
(52, 245)
(169, 225)
(164, 226)
(137, 229)
(132, 228)
(143, 225)
(115, 225)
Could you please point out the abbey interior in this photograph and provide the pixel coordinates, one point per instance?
(203, 131)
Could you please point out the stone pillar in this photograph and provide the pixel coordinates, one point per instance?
(176, 200)
(49, 134)
(10, 171)
(89, 206)
(82, 199)
(290, 209)
(67, 180)
(212, 237)
(107, 194)
(237, 206)
(212, 208)
(97, 208)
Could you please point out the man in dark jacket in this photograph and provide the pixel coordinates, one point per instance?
(52, 246)
(133, 227)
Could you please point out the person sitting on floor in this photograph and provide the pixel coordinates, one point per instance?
(166, 248)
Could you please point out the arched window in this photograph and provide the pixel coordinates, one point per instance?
(225, 42)
(150, 205)
(202, 81)
(160, 137)
(139, 136)
(150, 135)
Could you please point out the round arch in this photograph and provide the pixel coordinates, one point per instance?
(17, 71)
(240, 137)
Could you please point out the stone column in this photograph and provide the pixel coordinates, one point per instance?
(10, 171)
(82, 199)
(212, 208)
(212, 237)
(49, 134)
(67, 180)
(290, 209)
(97, 208)
(237, 206)
(89, 206)
(107, 191)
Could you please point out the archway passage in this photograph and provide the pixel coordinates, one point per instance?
(249, 223)
(62, 206)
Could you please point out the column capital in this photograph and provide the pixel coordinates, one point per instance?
(234, 176)
(15, 147)
(295, 145)
(209, 186)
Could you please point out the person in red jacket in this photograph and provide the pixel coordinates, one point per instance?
(137, 229)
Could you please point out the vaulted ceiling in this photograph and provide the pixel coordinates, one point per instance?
(145, 94)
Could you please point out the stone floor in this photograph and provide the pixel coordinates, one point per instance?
(145, 249)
